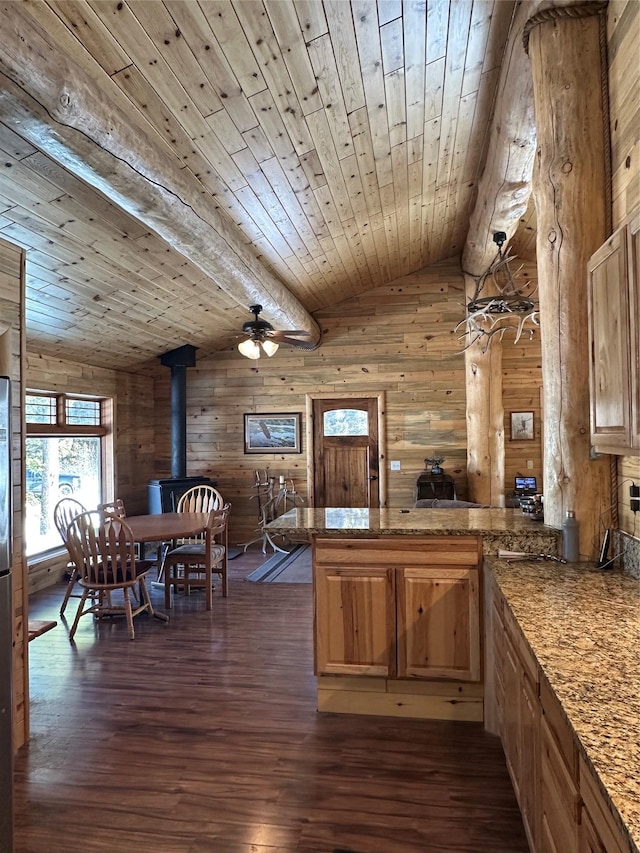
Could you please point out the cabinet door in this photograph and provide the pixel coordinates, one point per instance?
(529, 758)
(355, 621)
(610, 345)
(590, 841)
(599, 831)
(438, 623)
(497, 636)
(559, 798)
(511, 740)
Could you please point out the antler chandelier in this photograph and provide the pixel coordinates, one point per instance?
(509, 307)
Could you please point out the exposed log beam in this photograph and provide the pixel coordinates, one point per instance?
(49, 99)
(505, 185)
(503, 195)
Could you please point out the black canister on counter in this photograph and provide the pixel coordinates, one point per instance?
(570, 538)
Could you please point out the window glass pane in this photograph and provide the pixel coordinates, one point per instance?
(58, 467)
(40, 410)
(346, 422)
(85, 412)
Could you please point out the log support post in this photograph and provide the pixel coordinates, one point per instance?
(485, 418)
(570, 191)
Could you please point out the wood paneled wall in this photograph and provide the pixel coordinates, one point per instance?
(134, 425)
(11, 365)
(623, 25)
(398, 339)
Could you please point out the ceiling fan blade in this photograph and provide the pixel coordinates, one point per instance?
(294, 342)
(278, 333)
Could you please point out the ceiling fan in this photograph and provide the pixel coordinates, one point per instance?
(261, 336)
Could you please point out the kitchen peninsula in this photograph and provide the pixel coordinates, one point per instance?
(498, 528)
(397, 619)
(557, 678)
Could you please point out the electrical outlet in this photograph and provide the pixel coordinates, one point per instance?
(634, 494)
(395, 466)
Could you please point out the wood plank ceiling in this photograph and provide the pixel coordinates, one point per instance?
(339, 142)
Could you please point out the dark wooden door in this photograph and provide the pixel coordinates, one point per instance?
(346, 452)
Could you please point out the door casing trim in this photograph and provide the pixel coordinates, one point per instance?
(382, 436)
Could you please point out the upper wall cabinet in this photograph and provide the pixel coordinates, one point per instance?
(614, 339)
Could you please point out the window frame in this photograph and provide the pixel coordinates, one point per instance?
(105, 432)
(61, 427)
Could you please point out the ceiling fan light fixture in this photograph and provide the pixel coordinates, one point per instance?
(270, 347)
(249, 348)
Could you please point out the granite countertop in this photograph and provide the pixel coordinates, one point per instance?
(583, 626)
(509, 529)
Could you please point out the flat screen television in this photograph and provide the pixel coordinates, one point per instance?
(525, 486)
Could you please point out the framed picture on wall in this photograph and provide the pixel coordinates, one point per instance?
(522, 426)
(272, 432)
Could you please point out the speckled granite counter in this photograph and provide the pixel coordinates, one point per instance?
(583, 626)
(499, 528)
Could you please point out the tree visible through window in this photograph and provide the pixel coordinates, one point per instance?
(63, 459)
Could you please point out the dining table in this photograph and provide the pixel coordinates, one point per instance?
(165, 526)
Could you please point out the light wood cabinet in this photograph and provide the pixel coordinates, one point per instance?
(559, 795)
(614, 338)
(438, 630)
(559, 799)
(497, 645)
(355, 621)
(397, 612)
(564, 809)
(404, 607)
(521, 715)
(599, 831)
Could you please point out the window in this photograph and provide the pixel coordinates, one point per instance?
(64, 453)
(346, 422)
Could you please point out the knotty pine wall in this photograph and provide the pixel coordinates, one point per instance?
(398, 339)
(11, 365)
(134, 425)
(623, 27)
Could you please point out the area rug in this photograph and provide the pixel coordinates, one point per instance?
(294, 567)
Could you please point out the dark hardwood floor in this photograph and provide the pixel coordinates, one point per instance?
(201, 736)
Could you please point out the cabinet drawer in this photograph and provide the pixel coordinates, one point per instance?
(399, 551)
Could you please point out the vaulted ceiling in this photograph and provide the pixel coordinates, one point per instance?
(166, 163)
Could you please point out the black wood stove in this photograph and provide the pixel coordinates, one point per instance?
(163, 495)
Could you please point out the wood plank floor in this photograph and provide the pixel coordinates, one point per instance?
(201, 736)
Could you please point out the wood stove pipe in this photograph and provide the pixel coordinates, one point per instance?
(178, 360)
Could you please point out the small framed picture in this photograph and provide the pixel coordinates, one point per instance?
(269, 433)
(522, 426)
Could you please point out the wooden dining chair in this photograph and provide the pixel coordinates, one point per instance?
(185, 564)
(114, 507)
(63, 512)
(200, 499)
(104, 554)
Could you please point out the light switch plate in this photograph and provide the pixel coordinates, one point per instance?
(395, 466)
